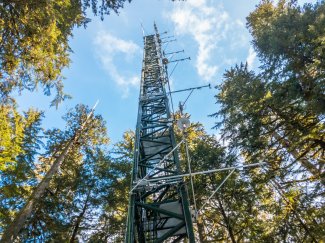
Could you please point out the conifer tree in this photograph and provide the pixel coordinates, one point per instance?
(277, 116)
(34, 46)
(20, 142)
(83, 129)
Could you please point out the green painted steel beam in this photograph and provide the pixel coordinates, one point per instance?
(160, 210)
(170, 232)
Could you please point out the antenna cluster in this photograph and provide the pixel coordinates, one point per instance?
(159, 205)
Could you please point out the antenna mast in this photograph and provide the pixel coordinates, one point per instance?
(157, 211)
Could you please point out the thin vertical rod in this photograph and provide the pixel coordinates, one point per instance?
(190, 172)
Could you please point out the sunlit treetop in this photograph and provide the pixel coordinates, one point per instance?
(34, 46)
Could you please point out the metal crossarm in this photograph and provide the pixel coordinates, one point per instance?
(158, 211)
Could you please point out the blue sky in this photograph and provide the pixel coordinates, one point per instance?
(107, 57)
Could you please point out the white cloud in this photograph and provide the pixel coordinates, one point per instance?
(251, 57)
(208, 24)
(108, 49)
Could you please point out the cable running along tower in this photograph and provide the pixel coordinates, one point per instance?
(158, 211)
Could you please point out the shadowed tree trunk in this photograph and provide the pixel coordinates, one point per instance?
(226, 219)
(302, 160)
(79, 219)
(11, 233)
(200, 229)
(277, 187)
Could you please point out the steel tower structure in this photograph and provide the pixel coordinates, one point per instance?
(157, 211)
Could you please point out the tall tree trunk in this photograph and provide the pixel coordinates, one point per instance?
(79, 219)
(11, 233)
(226, 219)
(277, 187)
(303, 161)
(287, 145)
(200, 229)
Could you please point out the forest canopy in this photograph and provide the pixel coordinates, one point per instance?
(34, 42)
(70, 185)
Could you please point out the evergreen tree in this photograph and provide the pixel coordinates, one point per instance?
(277, 116)
(83, 131)
(112, 221)
(289, 40)
(20, 139)
(34, 37)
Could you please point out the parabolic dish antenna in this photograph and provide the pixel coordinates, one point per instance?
(183, 123)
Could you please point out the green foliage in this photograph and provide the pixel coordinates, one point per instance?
(78, 190)
(256, 119)
(103, 7)
(87, 200)
(11, 136)
(34, 46)
(113, 218)
(290, 41)
(233, 213)
(20, 138)
(18, 135)
(277, 117)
